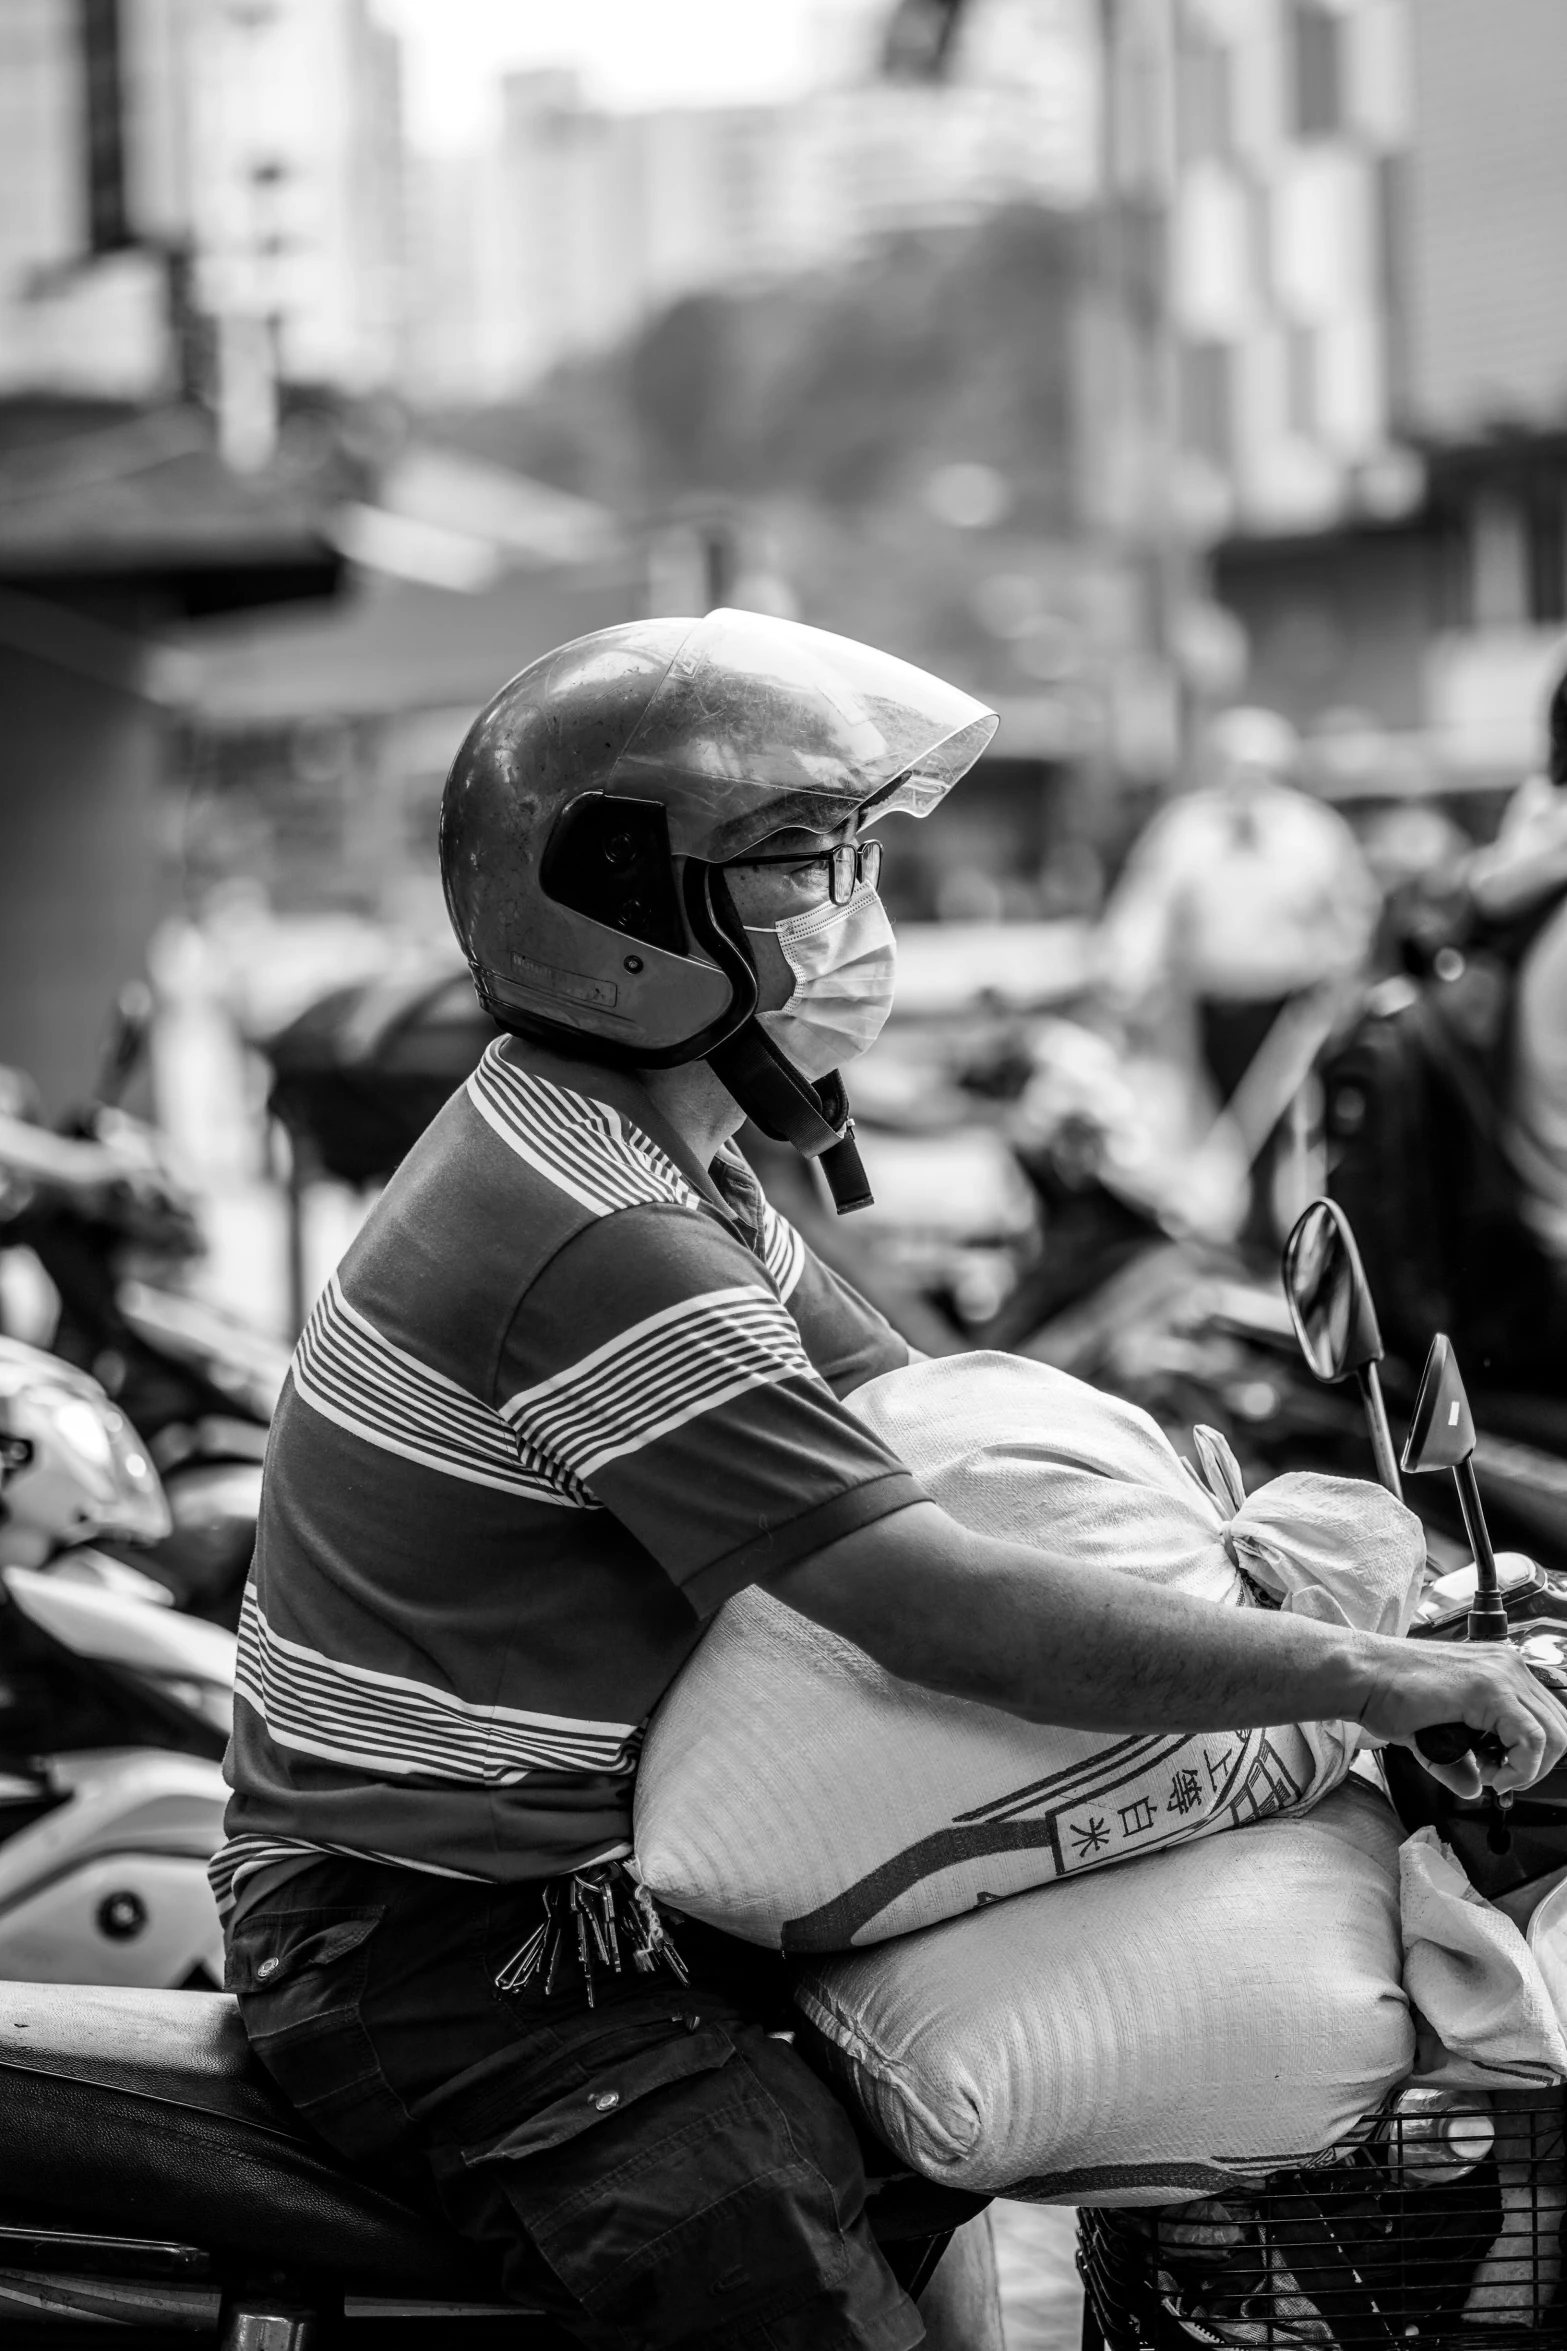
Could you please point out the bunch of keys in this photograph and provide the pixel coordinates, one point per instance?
(580, 1913)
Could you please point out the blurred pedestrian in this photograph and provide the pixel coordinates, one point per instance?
(1242, 897)
(1520, 882)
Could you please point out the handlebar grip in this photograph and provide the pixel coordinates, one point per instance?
(1445, 1742)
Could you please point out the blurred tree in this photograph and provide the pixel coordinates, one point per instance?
(845, 387)
(681, 377)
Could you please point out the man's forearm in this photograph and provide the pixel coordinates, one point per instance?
(1056, 1642)
(1084, 1648)
(1110, 1652)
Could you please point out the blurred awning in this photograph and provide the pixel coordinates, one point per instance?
(447, 520)
(141, 501)
(390, 646)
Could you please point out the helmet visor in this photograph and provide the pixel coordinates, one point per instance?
(760, 724)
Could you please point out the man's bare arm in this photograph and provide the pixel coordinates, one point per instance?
(1013, 1627)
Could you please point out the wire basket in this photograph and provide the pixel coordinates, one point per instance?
(1439, 2223)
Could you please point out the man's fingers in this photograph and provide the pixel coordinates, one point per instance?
(1487, 1687)
(1462, 1777)
(1534, 1732)
(1491, 1691)
(1533, 1729)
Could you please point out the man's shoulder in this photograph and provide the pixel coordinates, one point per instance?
(533, 1155)
(572, 1135)
(514, 1168)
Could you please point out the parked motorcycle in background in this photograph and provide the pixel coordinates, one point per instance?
(114, 1709)
(198, 1386)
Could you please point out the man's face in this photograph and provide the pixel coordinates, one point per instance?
(768, 894)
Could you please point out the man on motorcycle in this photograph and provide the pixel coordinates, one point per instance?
(574, 1385)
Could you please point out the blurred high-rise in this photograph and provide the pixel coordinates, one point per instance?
(198, 200)
(576, 223)
(1366, 217)
(199, 190)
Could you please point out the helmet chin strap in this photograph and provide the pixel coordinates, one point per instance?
(774, 1095)
(790, 1109)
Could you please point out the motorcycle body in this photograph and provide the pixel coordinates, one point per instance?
(115, 1710)
(114, 1715)
(151, 2177)
(199, 1386)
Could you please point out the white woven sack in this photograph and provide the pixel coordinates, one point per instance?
(1169, 2029)
(794, 1793)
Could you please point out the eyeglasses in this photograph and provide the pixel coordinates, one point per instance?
(849, 865)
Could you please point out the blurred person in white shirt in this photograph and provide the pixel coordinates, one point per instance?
(1241, 896)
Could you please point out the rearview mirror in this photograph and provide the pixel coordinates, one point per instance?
(1329, 1296)
(1442, 1429)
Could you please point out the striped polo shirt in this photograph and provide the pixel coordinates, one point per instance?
(565, 1394)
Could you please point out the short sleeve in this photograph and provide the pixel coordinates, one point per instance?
(653, 1365)
(844, 1336)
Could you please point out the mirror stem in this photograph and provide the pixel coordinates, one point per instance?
(1488, 1616)
(1369, 1382)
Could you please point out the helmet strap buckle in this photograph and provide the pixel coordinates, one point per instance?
(790, 1109)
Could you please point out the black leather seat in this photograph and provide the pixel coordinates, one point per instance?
(135, 2113)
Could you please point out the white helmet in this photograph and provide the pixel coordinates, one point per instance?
(71, 1466)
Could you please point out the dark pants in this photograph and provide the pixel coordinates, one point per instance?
(1230, 1032)
(658, 2169)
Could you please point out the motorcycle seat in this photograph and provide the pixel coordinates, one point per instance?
(137, 2112)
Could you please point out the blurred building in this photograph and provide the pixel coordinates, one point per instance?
(199, 194)
(145, 284)
(296, 167)
(1292, 128)
(82, 309)
(1366, 217)
(315, 744)
(580, 224)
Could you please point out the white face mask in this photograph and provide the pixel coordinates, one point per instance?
(844, 959)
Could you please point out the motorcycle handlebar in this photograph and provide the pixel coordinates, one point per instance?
(1445, 1742)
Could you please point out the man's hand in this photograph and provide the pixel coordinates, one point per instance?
(1485, 1685)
